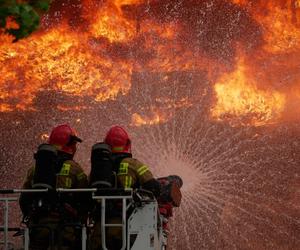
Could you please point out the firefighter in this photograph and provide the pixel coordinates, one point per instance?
(48, 225)
(131, 173)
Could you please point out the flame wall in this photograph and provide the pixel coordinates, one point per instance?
(249, 50)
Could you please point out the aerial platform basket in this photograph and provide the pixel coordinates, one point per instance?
(140, 220)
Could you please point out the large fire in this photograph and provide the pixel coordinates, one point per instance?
(96, 57)
(238, 96)
(209, 90)
(110, 23)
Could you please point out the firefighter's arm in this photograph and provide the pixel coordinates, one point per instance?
(82, 180)
(147, 180)
(126, 175)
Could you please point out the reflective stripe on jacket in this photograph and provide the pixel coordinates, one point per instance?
(71, 175)
(133, 173)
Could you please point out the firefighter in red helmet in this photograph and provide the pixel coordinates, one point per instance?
(64, 138)
(131, 172)
(60, 209)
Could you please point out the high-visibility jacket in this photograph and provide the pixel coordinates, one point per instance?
(133, 173)
(71, 175)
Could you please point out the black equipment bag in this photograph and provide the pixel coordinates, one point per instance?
(102, 169)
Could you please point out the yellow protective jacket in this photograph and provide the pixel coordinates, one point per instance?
(71, 175)
(133, 173)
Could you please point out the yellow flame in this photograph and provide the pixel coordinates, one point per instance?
(77, 64)
(239, 99)
(5, 108)
(59, 60)
(110, 23)
(74, 63)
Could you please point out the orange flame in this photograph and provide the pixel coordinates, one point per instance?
(57, 60)
(110, 23)
(67, 108)
(95, 61)
(11, 23)
(155, 118)
(282, 33)
(161, 113)
(240, 101)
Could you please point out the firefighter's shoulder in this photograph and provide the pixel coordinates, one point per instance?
(73, 166)
(132, 163)
(137, 166)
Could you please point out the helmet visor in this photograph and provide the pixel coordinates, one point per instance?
(73, 139)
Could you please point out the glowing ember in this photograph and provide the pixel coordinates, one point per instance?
(44, 137)
(74, 108)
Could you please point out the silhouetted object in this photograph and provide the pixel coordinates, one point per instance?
(102, 170)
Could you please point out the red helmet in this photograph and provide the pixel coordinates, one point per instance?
(118, 139)
(64, 138)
